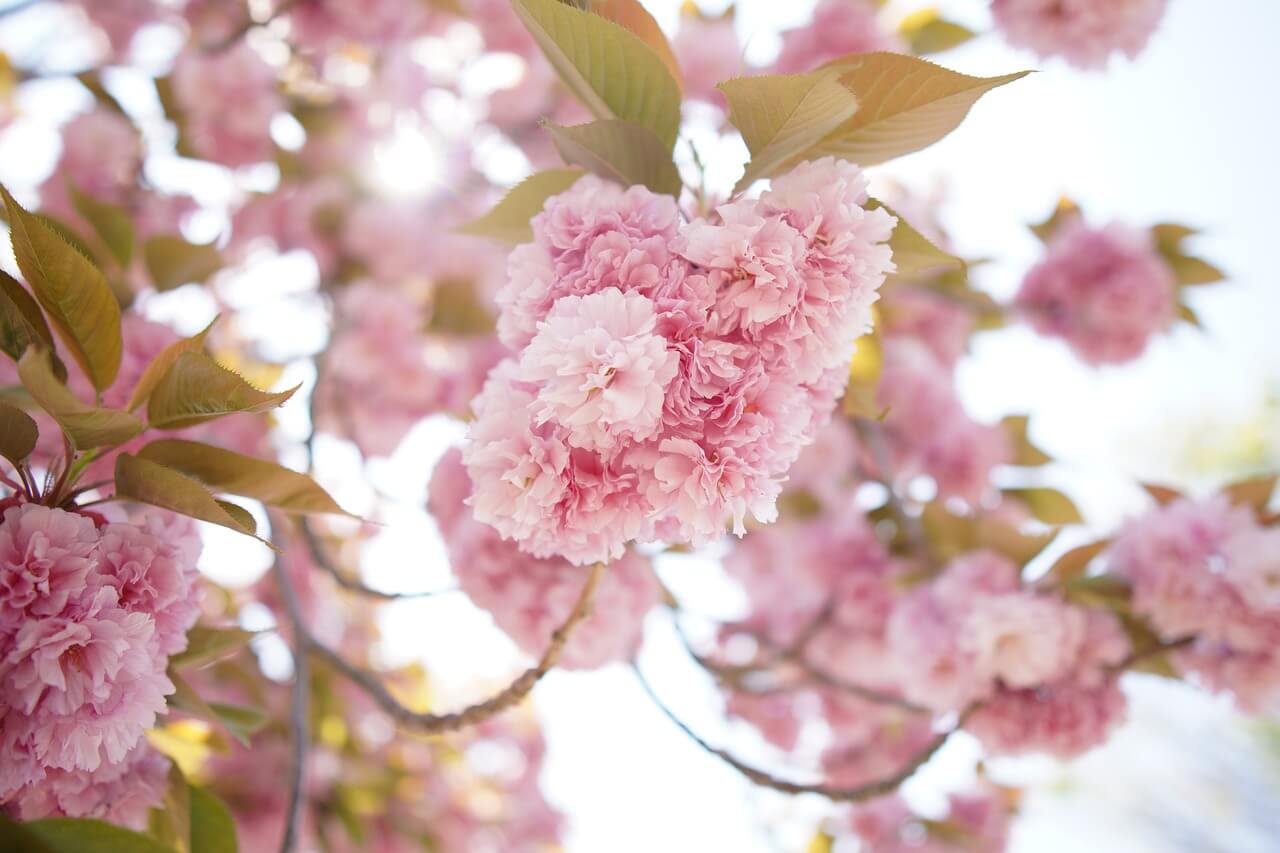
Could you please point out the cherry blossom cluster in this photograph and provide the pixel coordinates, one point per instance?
(1105, 291)
(1084, 32)
(90, 612)
(667, 376)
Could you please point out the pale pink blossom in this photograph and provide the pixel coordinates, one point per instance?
(702, 492)
(228, 99)
(935, 670)
(101, 157)
(389, 239)
(154, 576)
(294, 217)
(943, 325)
(1084, 32)
(1063, 719)
(1253, 567)
(1105, 291)
(530, 597)
(46, 556)
(328, 24)
(601, 369)
(121, 793)
(975, 822)
(838, 28)
(709, 53)
(1022, 639)
(120, 20)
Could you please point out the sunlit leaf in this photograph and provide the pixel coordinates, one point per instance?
(1255, 493)
(234, 473)
(207, 644)
(1065, 211)
(783, 117)
(1162, 495)
(508, 221)
(610, 69)
(1074, 563)
(904, 104)
(74, 835)
(77, 299)
(171, 823)
(173, 261)
(198, 389)
(914, 254)
(926, 31)
(618, 150)
(1048, 505)
(632, 16)
(212, 829)
(86, 425)
(1024, 452)
(111, 223)
(1190, 272)
(456, 309)
(151, 483)
(159, 366)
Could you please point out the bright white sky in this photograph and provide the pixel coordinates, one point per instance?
(1188, 133)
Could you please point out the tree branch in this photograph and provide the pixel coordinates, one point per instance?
(848, 794)
(298, 707)
(321, 558)
(508, 697)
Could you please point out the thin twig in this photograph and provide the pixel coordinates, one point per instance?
(298, 707)
(320, 556)
(509, 696)
(848, 794)
(1139, 655)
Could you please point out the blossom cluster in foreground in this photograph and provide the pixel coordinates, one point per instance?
(667, 375)
(90, 612)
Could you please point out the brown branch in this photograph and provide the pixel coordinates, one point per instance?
(1139, 655)
(299, 713)
(842, 794)
(509, 696)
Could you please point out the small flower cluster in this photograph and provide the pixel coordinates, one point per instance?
(667, 376)
(530, 597)
(1084, 32)
(90, 612)
(975, 823)
(1105, 291)
(1207, 570)
(838, 28)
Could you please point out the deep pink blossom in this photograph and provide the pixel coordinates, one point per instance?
(46, 556)
(121, 793)
(1084, 32)
(1105, 291)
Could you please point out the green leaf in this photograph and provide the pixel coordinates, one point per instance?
(456, 309)
(1075, 563)
(86, 425)
(198, 389)
(160, 365)
(111, 223)
(238, 721)
(1169, 237)
(73, 293)
(610, 69)
(508, 221)
(241, 720)
(904, 104)
(242, 516)
(783, 117)
(212, 828)
(632, 16)
(18, 434)
(926, 31)
(207, 644)
(22, 323)
(151, 483)
(1102, 591)
(173, 261)
(1065, 211)
(171, 824)
(914, 254)
(618, 150)
(1190, 272)
(1024, 452)
(78, 835)
(234, 473)
(1048, 505)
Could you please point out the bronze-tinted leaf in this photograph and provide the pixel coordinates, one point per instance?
(618, 150)
(22, 323)
(508, 220)
(151, 483)
(87, 426)
(111, 223)
(77, 299)
(173, 261)
(160, 365)
(198, 389)
(18, 434)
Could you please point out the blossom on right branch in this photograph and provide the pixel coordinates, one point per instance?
(1105, 291)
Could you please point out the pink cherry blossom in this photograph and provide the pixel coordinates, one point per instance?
(101, 157)
(121, 793)
(326, 24)
(1084, 32)
(46, 556)
(154, 576)
(1063, 719)
(1105, 291)
(529, 597)
(601, 369)
(1023, 639)
(1253, 567)
(709, 53)
(838, 28)
(228, 99)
